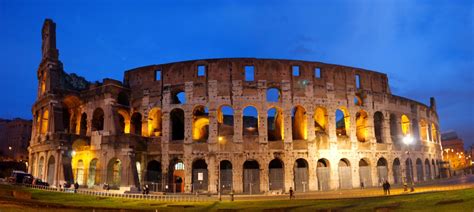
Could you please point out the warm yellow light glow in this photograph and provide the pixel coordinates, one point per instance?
(221, 138)
(320, 117)
(405, 122)
(45, 122)
(434, 133)
(423, 130)
(361, 126)
(154, 122)
(407, 139)
(300, 123)
(198, 127)
(126, 118)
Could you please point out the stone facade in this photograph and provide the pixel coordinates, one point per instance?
(15, 135)
(202, 125)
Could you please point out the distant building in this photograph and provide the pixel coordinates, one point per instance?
(14, 139)
(453, 147)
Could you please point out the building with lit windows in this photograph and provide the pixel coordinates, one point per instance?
(243, 124)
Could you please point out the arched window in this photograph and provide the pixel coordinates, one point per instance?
(275, 130)
(250, 121)
(179, 97)
(154, 122)
(177, 124)
(200, 123)
(123, 121)
(423, 130)
(136, 126)
(378, 126)
(299, 123)
(358, 100)
(361, 126)
(393, 127)
(320, 120)
(44, 122)
(98, 120)
(273, 95)
(225, 120)
(342, 122)
(80, 172)
(405, 124)
(122, 99)
(434, 133)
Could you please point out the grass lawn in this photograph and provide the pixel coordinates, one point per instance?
(459, 200)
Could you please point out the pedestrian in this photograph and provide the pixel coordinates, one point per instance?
(405, 186)
(144, 190)
(388, 187)
(412, 187)
(384, 186)
(76, 186)
(291, 193)
(147, 190)
(362, 185)
(232, 195)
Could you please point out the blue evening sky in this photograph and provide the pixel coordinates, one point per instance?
(425, 47)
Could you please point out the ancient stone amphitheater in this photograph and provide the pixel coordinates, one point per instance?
(243, 124)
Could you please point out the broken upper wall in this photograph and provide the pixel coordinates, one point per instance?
(173, 76)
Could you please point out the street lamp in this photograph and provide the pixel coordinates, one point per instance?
(408, 140)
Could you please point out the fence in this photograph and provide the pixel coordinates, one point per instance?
(164, 198)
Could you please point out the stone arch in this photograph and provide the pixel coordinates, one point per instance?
(409, 170)
(93, 178)
(394, 128)
(423, 130)
(251, 177)
(200, 123)
(419, 170)
(225, 120)
(276, 175)
(382, 170)
(301, 177)
(273, 94)
(176, 176)
(405, 125)
(114, 173)
(44, 122)
(123, 125)
(275, 129)
(320, 120)
(199, 176)
(177, 124)
(299, 123)
(378, 127)
(428, 173)
(358, 100)
(323, 171)
(136, 124)
(154, 175)
(342, 122)
(397, 173)
(41, 168)
(365, 173)
(361, 126)
(51, 170)
(434, 133)
(98, 119)
(250, 120)
(83, 124)
(345, 174)
(154, 122)
(80, 172)
(226, 178)
(178, 97)
(71, 113)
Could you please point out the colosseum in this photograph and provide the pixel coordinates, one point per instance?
(243, 124)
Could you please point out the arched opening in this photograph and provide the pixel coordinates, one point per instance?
(93, 178)
(405, 125)
(393, 128)
(273, 95)
(378, 127)
(98, 119)
(358, 101)
(66, 122)
(154, 122)
(41, 168)
(382, 170)
(83, 125)
(122, 99)
(320, 120)
(138, 165)
(299, 123)
(435, 171)
(70, 114)
(225, 120)
(80, 172)
(200, 124)
(153, 176)
(51, 170)
(365, 173)
(345, 174)
(114, 173)
(136, 125)
(178, 97)
(423, 130)
(397, 173)
(361, 126)
(419, 170)
(123, 125)
(428, 170)
(177, 124)
(176, 176)
(342, 122)
(301, 175)
(276, 175)
(323, 172)
(44, 122)
(225, 171)
(251, 177)
(275, 128)
(200, 176)
(434, 133)
(409, 170)
(250, 121)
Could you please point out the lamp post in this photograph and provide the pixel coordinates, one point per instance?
(408, 140)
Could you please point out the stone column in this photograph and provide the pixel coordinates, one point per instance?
(312, 176)
(237, 178)
(213, 174)
(188, 175)
(238, 125)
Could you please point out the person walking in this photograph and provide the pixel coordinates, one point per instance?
(147, 190)
(291, 193)
(76, 186)
(384, 186)
(387, 187)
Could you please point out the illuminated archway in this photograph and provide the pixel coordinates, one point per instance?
(423, 130)
(225, 120)
(361, 126)
(123, 121)
(154, 122)
(98, 119)
(275, 130)
(44, 122)
(250, 121)
(200, 123)
(299, 123)
(320, 120)
(405, 124)
(342, 122)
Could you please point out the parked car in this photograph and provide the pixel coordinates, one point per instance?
(40, 182)
(18, 176)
